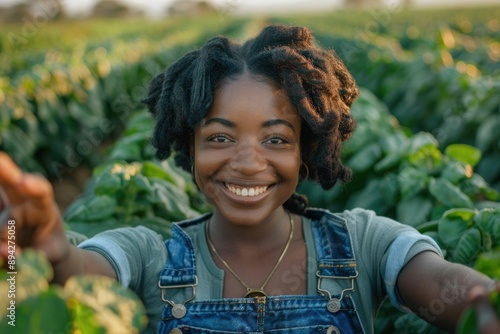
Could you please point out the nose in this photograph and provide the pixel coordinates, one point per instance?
(249, 159)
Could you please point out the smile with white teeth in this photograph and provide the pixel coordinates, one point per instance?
(246, 191)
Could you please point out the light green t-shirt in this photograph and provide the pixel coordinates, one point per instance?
(381, 247)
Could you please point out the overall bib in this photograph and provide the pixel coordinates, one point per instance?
(327, 312)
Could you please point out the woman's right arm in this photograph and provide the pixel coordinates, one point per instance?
(29, 201)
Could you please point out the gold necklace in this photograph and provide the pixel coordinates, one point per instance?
(260, 291)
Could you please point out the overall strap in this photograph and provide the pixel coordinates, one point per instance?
(335, 256)
(180, 267)
(333, 244)
(179, 272)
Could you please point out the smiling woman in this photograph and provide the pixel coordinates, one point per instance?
(249, 121)
(246, 152)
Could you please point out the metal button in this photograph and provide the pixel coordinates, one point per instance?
(175, 331)
(333, 330)
(178, 311)
(333, 305)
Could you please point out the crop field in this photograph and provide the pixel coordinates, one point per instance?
(426, 150)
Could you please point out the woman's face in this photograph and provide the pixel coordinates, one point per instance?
(246, 150)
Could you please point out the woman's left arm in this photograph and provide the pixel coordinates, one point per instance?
(438, 291)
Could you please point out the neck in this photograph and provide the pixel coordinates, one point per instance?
(240, 237)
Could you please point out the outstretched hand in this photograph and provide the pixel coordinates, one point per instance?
(488, 321)
(27, 203)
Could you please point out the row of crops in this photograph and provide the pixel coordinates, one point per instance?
(59, 106)
(426, 151)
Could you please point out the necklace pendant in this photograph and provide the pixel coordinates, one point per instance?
(252, 293)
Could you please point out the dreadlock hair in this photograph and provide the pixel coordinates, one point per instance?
(315, 80)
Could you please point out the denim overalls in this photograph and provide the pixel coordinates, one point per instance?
(327, 312)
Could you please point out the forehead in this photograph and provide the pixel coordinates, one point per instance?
(252, 95)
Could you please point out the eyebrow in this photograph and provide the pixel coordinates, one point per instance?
(266, 124)
(278, 121)
(219, 120)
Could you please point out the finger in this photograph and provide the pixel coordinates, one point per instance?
(10, 173)
(10, 177)
(37, 188)
(487, 319)
(17, 186)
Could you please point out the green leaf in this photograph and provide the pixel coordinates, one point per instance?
(142, 183)
(96, 209)
(368, 197)
(468, 247)
(390, 189)
(456, 171)
(422, 140)
(181, 177)
(487, 132)
(114, 308)
(488, 220)
(365, 158)
(448, 194)
(428, 158)
(411, 181)
(33, 273)
(107, 183)
(169, 207)
(152, 170)
(413, 211)
(489, 264)
(468, 322)
(36, 263)
(450, 230)
(476, 187)
(84, 320)
(390, 160)
(128, 148)
(43, 313)
(464, 153)
(460, 213)
(430, 226)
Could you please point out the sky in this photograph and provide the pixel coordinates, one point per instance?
(252, 6)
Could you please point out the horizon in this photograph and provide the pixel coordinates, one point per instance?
(156, 7)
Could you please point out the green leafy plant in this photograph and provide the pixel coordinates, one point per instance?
(131, 189)
(407, 177)
(85, 304)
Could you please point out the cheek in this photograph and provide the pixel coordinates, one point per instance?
(288, 166)
(205, 167)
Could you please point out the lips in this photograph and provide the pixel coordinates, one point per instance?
(246, 191)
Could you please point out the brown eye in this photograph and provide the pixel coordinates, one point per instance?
(276, 140)
(219, 138)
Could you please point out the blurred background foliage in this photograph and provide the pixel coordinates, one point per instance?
(426, 150)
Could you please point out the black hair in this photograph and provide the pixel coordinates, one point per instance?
(315, 80)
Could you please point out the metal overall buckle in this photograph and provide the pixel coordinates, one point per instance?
(178, 310)
(334, 303)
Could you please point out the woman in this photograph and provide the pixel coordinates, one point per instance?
(249, 121)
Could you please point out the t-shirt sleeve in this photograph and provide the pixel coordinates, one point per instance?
(131, 252)
(383, 247)
(401, 251)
